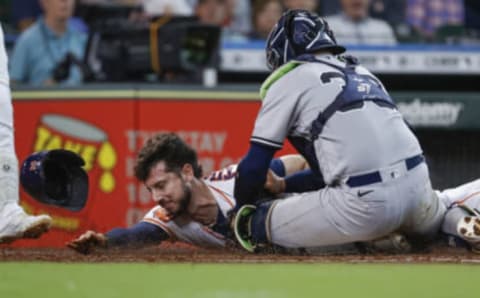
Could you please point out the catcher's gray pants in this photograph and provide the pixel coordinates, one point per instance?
(403, 201)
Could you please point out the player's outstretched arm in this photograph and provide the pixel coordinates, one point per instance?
(141, 234)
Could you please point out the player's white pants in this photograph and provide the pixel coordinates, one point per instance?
(336, 215)
(6, 110)
(6, 121)
(14, 222)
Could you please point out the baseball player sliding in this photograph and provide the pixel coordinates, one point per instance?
(190, 209)
(195, 210)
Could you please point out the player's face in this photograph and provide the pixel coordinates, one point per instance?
(169, 189)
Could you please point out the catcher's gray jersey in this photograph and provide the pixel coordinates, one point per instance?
(341, 119)
(345, 145)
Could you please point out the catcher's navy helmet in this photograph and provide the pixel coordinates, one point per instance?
(56, 177)
(299, 32)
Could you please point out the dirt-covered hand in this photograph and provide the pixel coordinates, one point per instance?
(87, 242)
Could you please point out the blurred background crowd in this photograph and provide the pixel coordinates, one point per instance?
(42, 35)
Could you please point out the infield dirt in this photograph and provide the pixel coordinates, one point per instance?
(182, 253)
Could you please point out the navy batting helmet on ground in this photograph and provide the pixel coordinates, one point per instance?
(296, 33)
(56, 177)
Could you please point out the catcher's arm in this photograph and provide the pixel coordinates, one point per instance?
(293, 175)
(293, 163)
(141, 234)
(286, 165)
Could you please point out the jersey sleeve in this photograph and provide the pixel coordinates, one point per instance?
(276, 116)
(158, 217)
(143, 233)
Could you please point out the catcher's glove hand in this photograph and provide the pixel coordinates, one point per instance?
(87, 242)
(247, 225)
(242, 227)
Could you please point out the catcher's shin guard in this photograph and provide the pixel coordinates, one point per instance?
(252, 227)
(14, 222)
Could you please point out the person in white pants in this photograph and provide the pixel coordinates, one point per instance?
(14, 222)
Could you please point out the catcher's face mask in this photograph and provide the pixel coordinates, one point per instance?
(56, 178)
(296, 33)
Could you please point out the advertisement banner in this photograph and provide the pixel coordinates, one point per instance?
(95, 130)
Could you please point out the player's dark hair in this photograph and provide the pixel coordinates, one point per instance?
(171, 149)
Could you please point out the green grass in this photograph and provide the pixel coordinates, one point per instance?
(54, 280)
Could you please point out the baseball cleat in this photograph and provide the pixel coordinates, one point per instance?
(393, 243)
(24, 226)
(242, 227)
